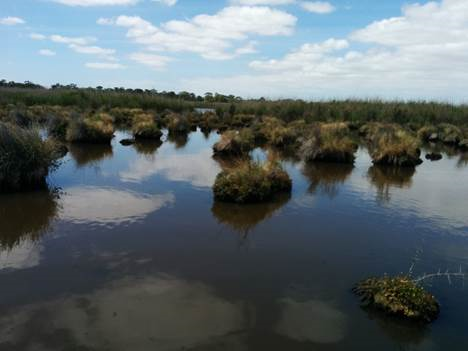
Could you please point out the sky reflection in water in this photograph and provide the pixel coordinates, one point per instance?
(132, 253)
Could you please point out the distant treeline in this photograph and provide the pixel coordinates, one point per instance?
(413, 112)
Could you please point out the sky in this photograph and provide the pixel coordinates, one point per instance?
(389, 49)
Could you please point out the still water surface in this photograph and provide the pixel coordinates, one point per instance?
(131, 253)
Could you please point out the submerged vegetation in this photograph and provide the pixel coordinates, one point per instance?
(400, 297)
(250, 182)
(25, 159)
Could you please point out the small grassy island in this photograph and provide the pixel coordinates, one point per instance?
(250, 182)
(25, 159)
(400, 297)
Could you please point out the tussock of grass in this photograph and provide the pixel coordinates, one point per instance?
(235, 143)
(145, 127)
(277, 133)
(399, 296)
(251, 182)
(125, 116)
(98, 128)
(177, 124)
(392, 145)
(446, 133)
(25, 159)
(329, 143)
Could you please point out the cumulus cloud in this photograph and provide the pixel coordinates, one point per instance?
(71, 40)
(422, 53)
(156, 62)
(37, 36)
(46, 52)
(167, 2)
(215, 37)
(104, 65)
(89, 3)
(263, 2)
(94, 50)
(11, 21)
(320, 7)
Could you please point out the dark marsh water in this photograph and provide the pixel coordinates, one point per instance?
(131, 253)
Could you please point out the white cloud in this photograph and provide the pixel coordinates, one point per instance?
(37, 36)
(109, 206)
(104, 65)
(94, 50)
(72, 40)
(262, 2)
(157, 62)
(215, 37)
(167, 2)
(46, 52)
(320, 7)
(105, 21)
(421, 54)
(11, 21)
(89, 3)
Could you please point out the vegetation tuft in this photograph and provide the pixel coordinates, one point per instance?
(25, 159)
(96, 129)
(400, 297)
(251, 182)
(329, 142)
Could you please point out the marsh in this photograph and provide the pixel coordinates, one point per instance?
(131, 252)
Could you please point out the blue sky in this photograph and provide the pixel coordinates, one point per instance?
(273, 48)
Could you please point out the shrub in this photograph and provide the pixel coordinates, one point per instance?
(251, 182)
(144, 127)
(95, 129)
(25, 159)
(329, 143)
(276, 132)
(392, 145)
(234, 143)
(399, 296)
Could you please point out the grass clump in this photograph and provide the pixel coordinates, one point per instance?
(177, 124)
(97, 129)
(25, 159)
(145, 127)
(251, 182)
(234, 143)
(329, 142)
(399, 296)
(392, 145)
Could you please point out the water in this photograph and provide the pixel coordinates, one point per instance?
(131, 253)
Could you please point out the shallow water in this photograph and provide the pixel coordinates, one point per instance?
(131, 253)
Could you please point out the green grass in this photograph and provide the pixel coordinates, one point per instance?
(399, 296)
(25, 159)
(250, 182)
